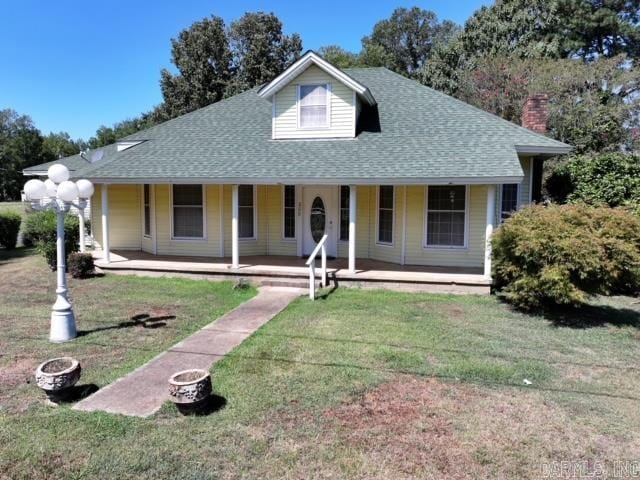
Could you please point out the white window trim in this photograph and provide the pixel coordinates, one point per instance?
(425, 245)
(327, 125)
(204, 218)
(295, 215)
(255, 216)
(144, 234)
(393, 218)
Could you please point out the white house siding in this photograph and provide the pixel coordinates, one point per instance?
(525, 186)
(341, 123)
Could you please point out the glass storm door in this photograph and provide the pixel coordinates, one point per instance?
(317, 219)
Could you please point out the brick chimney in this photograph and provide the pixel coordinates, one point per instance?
(535, 113)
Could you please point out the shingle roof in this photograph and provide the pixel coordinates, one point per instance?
(73, 163)
(423, 136)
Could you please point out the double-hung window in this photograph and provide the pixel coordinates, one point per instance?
(188, 211)
(313, 106)
(289, 213)
(385, 214)
(509, 200)
(147, 210)
(246, 211)
(344, 212)
(446, 212)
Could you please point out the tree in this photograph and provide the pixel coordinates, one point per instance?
(405, 41)
(60, 145)
(341, 58)
(20, 147)
(202, 56)
(260, 50)
(611, 179)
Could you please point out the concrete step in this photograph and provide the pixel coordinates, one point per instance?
(287, 282)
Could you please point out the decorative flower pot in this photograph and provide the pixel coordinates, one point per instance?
(57, 376)
(189, 389)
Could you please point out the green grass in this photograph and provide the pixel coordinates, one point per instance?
(359, 384)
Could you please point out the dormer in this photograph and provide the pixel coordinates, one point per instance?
(313, 99)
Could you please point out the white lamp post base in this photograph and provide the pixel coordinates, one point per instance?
(63, 326)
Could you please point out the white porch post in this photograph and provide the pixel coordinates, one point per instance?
(106, 253)
(235, 260)
(353, 204)
(491, 214)
(81, 228)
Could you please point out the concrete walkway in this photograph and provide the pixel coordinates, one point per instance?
(143, 391)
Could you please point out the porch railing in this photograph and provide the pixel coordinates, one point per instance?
(311, 263)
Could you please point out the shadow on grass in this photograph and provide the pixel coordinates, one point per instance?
(20, 252)
(74, 394)
(589, 316)
(143, 320)
(213, 403)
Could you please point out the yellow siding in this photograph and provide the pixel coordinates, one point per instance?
(209, 247)
(277, 244)
(417, 254)
(386, 253)
(342, 122)
(257, 246)
(125, 222)
(525, 186)
(146, 242)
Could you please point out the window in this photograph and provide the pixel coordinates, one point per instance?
(509, 201)
(188, 211)
(147, 210)
(344, 212)
(446, 211)
(246, 211)
(385, 214)
(313, 106)
(289, 211)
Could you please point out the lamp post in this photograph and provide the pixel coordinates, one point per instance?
(59, 194)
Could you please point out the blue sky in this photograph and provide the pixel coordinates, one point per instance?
(75, 65)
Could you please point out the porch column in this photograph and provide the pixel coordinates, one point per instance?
(353, 204)
(491, 215)
(106, 253)
(235, 260)
(81, 228)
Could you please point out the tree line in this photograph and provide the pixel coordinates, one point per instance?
(582, 53)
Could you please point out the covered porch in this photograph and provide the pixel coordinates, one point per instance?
(290, 270)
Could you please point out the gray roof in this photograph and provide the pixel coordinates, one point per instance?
(417, 135)
(73, 163)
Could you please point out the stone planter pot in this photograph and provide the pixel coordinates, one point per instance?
(57, 376)
(190, 389)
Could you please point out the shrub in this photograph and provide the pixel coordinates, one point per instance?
(80, 265)
(40, 228)
(9, 229)
(563, 254)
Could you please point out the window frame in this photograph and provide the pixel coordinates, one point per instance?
(327, 124)
(146, 187)
(295, 213)
(204, 215)
(393, 217)
(425, 244)
(346, 238)
(501, 212)
(255, 214)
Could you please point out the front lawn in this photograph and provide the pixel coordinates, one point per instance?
(358, 384)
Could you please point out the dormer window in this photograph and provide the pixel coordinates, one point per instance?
(313, 106)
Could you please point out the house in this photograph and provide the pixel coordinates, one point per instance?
(390, 170)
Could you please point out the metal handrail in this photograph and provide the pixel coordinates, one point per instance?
(311, 262)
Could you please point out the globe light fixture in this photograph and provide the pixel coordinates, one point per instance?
(59, 194)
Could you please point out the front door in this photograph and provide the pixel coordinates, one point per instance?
(320, 217)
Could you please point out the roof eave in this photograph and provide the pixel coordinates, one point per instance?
(301, 65)
(546, 150)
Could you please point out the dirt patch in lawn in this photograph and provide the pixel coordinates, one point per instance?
(425, 428)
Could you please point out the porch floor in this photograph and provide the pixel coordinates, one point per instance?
(368, 271)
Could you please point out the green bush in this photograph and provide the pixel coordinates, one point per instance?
(9, 229)
(563, 254)
(611, 179)
(40, 228)
(80, 265)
